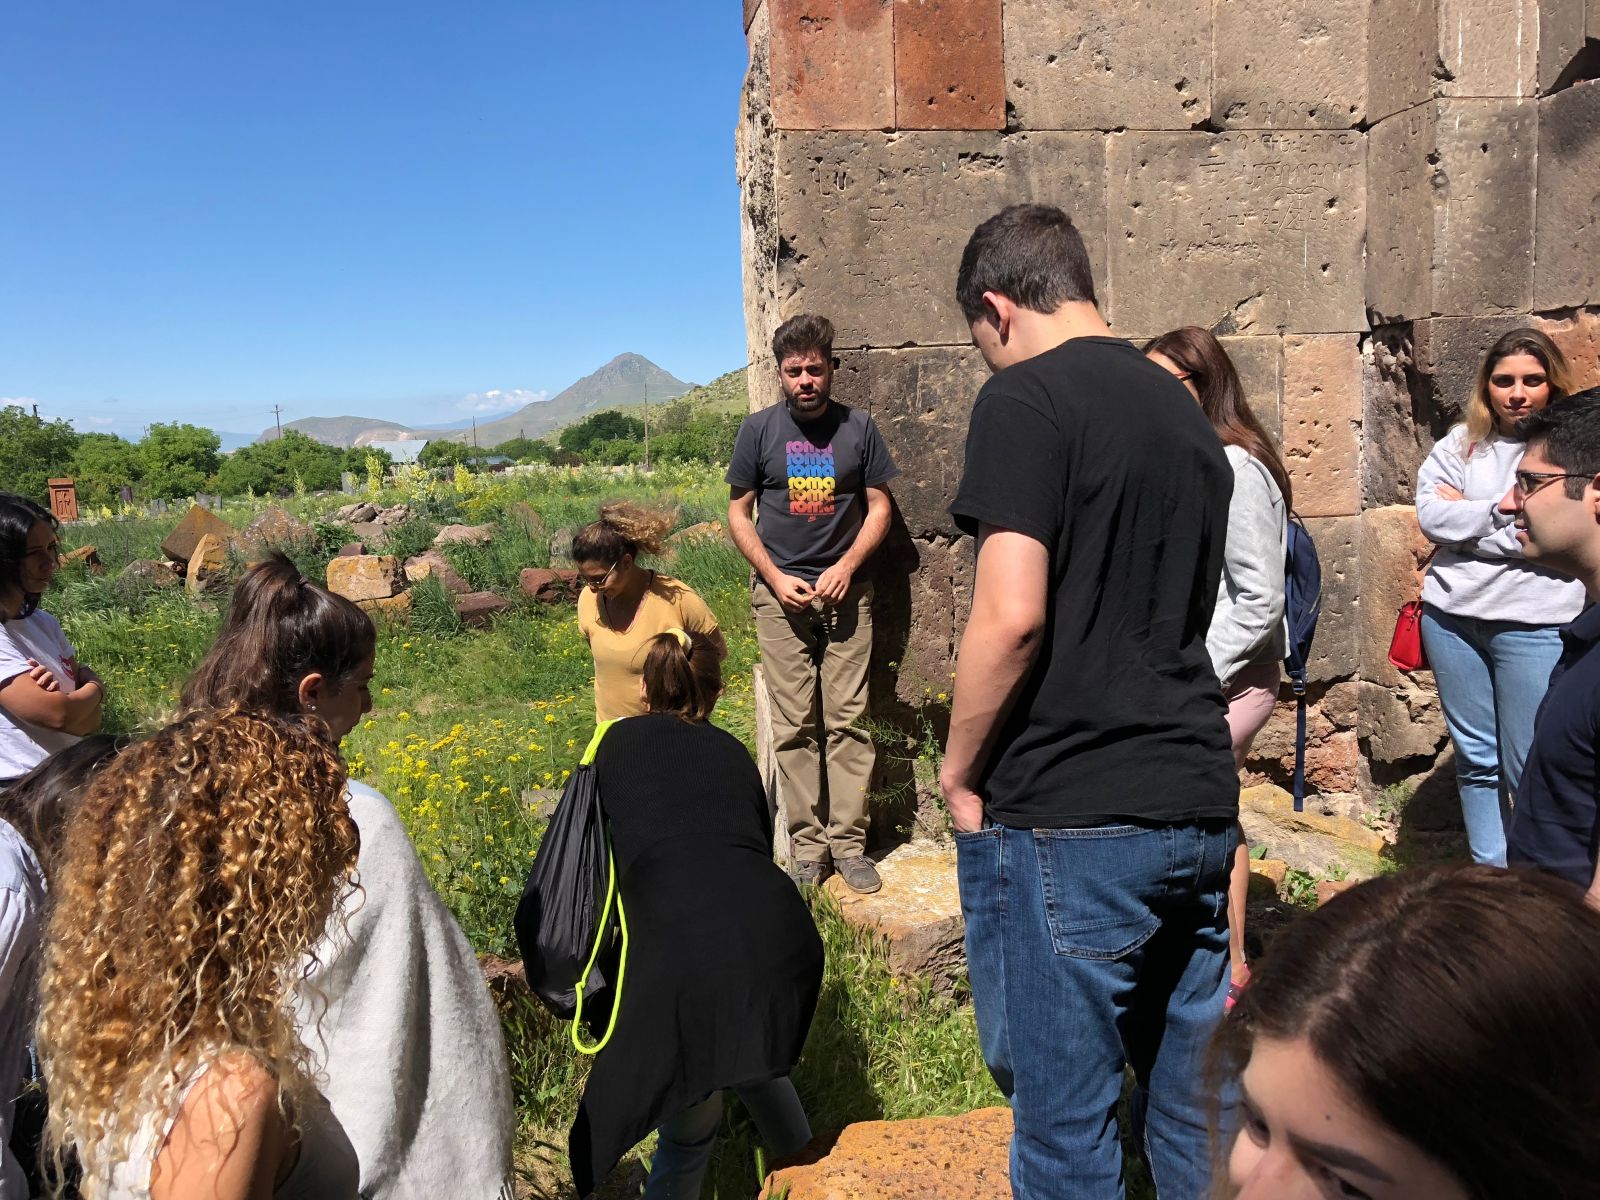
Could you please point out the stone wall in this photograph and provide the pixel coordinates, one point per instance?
(1357, 197)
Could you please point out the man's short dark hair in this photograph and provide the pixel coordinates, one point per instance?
(1568, 432)
(799, 334)
(1031, 254)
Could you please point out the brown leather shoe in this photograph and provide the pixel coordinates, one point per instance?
(811, 873)
(858, 873)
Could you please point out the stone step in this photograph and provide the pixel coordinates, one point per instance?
(918, 911)
(1311, 840)
(929, 1158)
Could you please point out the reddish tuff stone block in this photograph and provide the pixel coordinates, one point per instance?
(949, 71)
(833, 64)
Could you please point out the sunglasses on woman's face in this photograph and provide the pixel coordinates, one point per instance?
(598, 582)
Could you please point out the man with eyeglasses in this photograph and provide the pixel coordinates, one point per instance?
(817, 473)
(1555, 501)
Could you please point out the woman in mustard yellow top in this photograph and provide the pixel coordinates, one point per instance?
(624, 605)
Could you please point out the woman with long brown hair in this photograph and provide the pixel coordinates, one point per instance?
(724, 964)
(623, 605)
(199, 870)
(1428, 1035)
(1490, 619)
(1247, 638)
(395, 1012)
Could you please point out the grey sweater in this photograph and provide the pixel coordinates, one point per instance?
(1247, 624)
(1479, 570)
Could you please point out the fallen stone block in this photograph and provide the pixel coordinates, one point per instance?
(197, 522)
(1266, 878)
(147, 574)
(704, 531)
(88, 556)
(1327, 889)
(470, 535)
(208, 565)
(918, 911)
(394, 609)
(430, 564)
(549, 586)
(365, 576)
(275, 527)
(396, 514)
(930, 1158)
(1309, 841)
(351, 550)
(479, 609)
(356, 513)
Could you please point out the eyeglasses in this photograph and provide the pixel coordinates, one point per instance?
(1526, 483)
(597, 584)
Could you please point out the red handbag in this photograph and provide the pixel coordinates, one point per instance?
(1405, 648)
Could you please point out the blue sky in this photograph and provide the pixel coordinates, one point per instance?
(370, 208)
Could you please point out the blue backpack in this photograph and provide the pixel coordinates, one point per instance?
(1302, 578)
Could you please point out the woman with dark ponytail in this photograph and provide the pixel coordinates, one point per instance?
(395, 1012)
(724, 963)
(48, 699)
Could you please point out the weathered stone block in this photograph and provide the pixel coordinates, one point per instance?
(395, 610)
(464, 535)
(1311, 841)
(1237, 232)
(1259, 361)
(197, 522)
(1334, 764)
(365, 576)
(1567, 230)
(547, 586)
(1392, 550)
(755, 166)
(1420, 49)
(1302, 68)
(208, 564)
(833, 64)
(144, 575)
(479, 609)
(1322, 422)
(1447, 351)
(874, 225)
(920, 400)
(1077, 64)
(918, 912)
(750, 7)
(1402, 722)
(1336, 650)
(949, 72)
(1450, 209)
(430, 564)
(1330, 889)
(953, 1158)
(1561, 34)
(1395, 436)
(1578, 336)
(1267, 877)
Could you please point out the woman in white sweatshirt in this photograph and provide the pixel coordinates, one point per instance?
(1491, 621)
(1247, 638)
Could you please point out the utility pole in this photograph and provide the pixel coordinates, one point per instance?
(646, 424)
(277, 414)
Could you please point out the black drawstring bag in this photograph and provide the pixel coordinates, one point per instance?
(564, 903)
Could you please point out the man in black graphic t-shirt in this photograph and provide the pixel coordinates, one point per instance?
(816, 474)
(1088, 770)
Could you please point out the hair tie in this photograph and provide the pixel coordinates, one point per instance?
(684, 640)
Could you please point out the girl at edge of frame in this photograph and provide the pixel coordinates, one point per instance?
(1490, 620)
(48, 699)
(199, 870)
(420, 1081)
(33, 815)
(623, 605)
(724, 961)
(1396, 1044)
(1247, 639)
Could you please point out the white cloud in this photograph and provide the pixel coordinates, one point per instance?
(497, 401)
(26, 402)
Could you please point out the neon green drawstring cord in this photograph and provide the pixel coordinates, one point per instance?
(600, 930)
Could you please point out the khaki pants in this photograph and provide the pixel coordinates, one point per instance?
(824, 815)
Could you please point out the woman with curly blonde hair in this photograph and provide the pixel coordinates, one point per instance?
(624, 606)
(200, 869)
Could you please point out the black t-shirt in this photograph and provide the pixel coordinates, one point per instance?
(808, 481)
(1105, 458)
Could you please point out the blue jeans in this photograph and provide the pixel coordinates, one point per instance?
(1091, 950)
(683, 1144)
(1491, 677)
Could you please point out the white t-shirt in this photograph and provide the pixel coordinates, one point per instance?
(24, 745)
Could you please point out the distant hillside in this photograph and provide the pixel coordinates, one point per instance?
(618, 384)
(724, 394)
(340, 431)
